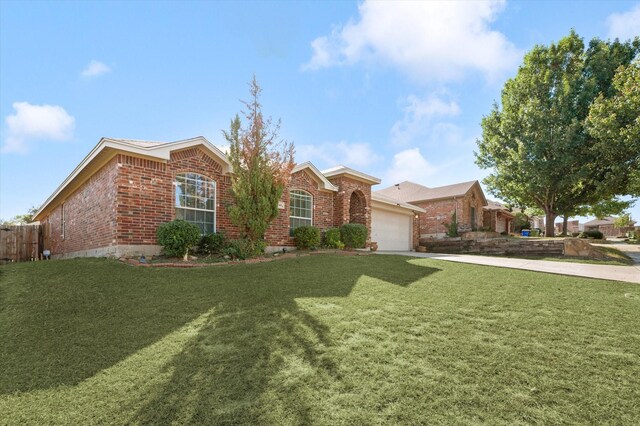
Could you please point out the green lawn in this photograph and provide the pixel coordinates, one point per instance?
(319, 339)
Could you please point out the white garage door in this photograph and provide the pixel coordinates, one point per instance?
(391, 230)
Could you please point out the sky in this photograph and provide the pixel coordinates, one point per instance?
(393, 89)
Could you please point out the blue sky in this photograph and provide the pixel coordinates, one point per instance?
(396, 90)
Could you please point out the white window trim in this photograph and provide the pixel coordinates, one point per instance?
(215, 198)
(300, 217)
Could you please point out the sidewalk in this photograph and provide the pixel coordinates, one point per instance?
(606, 272)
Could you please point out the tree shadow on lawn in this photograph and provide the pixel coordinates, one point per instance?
(259, 348)
(64, 322)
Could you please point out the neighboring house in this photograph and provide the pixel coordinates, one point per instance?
(115, 199)
(497, 217)
(573, 226)
(465, 199)
(606, 227)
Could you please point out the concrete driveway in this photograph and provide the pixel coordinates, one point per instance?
(631, 250)
(605, 272)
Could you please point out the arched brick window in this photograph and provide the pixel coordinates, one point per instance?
(196, 201)
(300, 209)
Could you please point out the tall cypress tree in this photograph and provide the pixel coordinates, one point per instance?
(262, 165)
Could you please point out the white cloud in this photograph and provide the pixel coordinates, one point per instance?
(409, 165)
(36, 123)
(419, 115)
(425, 39)
(412, 165)
(356, 155)
(94, 69)
(625, 25)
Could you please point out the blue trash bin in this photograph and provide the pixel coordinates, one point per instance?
(526, 232)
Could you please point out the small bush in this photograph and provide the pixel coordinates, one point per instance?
(259, 247)
(238, 249)
(177, 237)
(575, 234)
(591, 234)
(331, 239)
(212, 243)
(353, 235)
(452, 227)
(306, 237)
(243, 249)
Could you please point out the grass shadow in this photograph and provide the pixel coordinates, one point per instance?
(259, 338)
(62, 322)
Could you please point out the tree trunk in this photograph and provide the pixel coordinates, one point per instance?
(565, 223)
(550, 218)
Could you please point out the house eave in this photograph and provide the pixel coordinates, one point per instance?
(107, 148)
(324, 183)
(354, 174)
(377, 199)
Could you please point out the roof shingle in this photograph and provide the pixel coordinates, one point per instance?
(410, 192)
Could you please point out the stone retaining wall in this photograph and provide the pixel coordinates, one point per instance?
(498, 246)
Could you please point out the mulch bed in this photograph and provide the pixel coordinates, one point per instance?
(289, 255)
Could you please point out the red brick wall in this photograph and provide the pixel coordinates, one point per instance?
(416, 230)
(89, 215)
(489, 219)
(439, 212)
(278, 232)
(126, 201)
(342, 201)
(146, 195)
(472, 198)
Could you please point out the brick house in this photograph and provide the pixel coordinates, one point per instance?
(466, 199)
(497, 217)
(606, 227)
(572, 227)
(115, 199)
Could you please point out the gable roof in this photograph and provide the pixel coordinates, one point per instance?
(107, 148)
(308, 165)
(498, 207)
(390, 201)
(412, 192)
(605, 221)
(343, 170)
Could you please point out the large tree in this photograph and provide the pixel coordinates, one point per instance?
(537, 143)
(262, 165)
(614, 122)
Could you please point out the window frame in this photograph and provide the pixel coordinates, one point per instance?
(192, 177)
(299, 192)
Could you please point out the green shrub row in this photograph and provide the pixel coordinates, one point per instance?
(591, 234)
(331, 239)
(214, 243)
(178, 236)
(350, 235)
(243, 249)
(353, 235)
(306, 237)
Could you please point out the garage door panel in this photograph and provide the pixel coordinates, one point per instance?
(391, 230)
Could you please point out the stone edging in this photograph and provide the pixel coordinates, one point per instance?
(135, 262)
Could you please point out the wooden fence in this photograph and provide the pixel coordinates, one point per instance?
(20, 243)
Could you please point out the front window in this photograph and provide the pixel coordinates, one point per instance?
(300, 210)
(196, 201)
